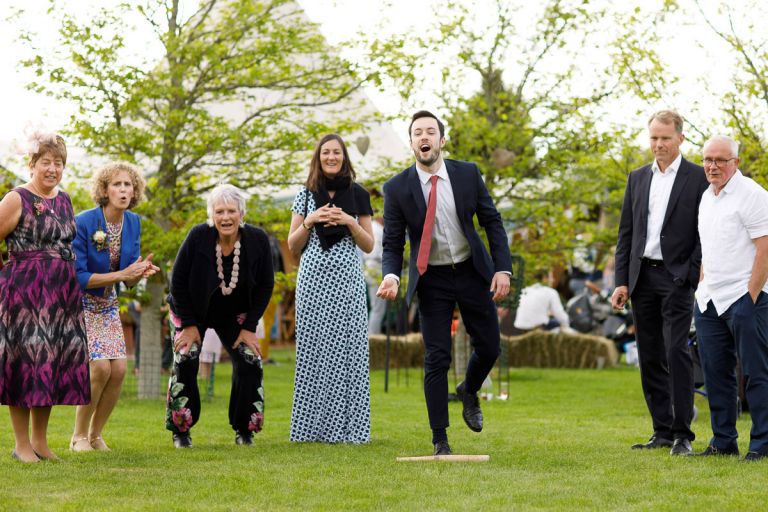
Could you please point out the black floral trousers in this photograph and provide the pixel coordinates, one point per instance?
(246, 400)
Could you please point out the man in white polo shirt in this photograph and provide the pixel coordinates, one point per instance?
(731, 301)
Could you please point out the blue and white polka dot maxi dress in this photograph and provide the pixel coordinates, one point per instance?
(331, 398)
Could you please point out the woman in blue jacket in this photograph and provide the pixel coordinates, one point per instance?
(107, 253)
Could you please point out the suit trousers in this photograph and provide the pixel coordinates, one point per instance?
(663, 312)
(440, 289)
(742, 329)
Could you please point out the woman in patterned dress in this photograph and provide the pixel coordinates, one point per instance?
(43, 349)
(222, 279)
(107, 249)
(331, 220)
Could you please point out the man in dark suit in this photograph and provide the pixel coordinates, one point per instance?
(658, 256)
(435, 201)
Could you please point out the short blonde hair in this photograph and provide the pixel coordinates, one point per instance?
(668, 117)
(105, 174)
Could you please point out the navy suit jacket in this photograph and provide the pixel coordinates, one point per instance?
(405, 209)
(680, 245)
(89, 260)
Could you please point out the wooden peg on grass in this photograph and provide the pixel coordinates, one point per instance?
(446, 458)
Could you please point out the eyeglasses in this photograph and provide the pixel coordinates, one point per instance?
(718, 162)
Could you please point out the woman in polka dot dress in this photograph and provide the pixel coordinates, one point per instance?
(331, 220)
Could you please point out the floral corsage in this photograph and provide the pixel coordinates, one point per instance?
(99, 240)
(39, 207)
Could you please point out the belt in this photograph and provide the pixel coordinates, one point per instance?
(454, 266)
(653, 263)
(63, 253)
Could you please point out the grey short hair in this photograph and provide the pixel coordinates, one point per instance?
(227, 194)
(734, 146)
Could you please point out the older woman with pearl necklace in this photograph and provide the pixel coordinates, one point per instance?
(222, 279)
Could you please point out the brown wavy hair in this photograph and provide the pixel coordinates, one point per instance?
(104, 175)
(316, 177)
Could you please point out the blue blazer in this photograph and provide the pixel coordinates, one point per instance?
(89, 260)
(405, 209)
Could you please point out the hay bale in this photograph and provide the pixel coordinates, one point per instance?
(536, 349)
(559, 350)
(405, 351)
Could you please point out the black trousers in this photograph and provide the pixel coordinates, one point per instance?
(246, 399)
(440, 289)
(663, 312)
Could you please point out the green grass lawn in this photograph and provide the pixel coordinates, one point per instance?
(560, 443)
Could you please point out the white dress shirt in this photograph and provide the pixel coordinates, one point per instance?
(728, 224)
(658, 199)
(537, 303)
(449, 245)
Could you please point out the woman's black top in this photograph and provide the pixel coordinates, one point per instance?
(195, 293)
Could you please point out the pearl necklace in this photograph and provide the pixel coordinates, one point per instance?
(227, 290)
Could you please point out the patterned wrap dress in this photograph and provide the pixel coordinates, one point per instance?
(331, 399)
(43, 348)
(102, 314)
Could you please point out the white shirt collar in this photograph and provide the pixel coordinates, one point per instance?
(673, 167)
(425, 176)
(733, 182)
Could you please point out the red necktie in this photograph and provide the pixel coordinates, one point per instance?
(426, 234)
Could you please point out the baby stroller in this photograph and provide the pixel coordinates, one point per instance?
(592, 313)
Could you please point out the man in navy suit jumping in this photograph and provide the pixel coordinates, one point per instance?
(435, 201)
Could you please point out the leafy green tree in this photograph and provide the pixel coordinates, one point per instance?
(745, 106)
(533, 126)
(236, 91)
(741, 109)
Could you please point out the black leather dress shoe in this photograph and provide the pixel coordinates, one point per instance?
(681, 447)
(442, 448)
(755, 456)
(713, 451)
(654, 442)
(182, 440)
(471, 412)
(243, 438)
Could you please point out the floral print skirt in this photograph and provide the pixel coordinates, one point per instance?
(103, 327)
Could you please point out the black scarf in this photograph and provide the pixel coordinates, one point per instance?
(344, 198)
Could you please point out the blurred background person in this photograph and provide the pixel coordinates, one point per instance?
(331, 219)
(107, 253)
(222, 279)
(210, 353)
(43, 348)
(540, 307)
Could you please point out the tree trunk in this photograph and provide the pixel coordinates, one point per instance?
(151, 344)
